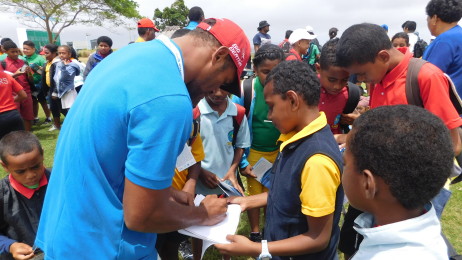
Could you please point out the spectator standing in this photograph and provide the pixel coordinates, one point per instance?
(262, 37)
(10, 92)
(36, 62)
(195, 15)
(146, 30)
(104, 50)
(21, 73)
(445, 50)
(409, 27)
(300, 40)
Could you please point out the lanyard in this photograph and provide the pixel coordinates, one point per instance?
(174, 50)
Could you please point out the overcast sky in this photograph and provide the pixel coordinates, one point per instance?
(281, 15)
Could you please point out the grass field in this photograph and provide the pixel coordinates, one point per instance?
(451, 220)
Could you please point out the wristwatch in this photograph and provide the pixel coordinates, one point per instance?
(265, 255)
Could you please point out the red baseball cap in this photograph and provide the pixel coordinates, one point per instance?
(147, 23)
(232, 36)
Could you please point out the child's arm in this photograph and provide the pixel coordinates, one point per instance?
(193, 175)
(315, 240)
(208, 178)
(231, 174)
(250, 202)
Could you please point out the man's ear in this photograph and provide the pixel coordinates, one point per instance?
(383, 56)
(294, 99)
(220, 55)
(369, 184)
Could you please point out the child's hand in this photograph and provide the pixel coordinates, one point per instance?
(215, 209)
(241, 201)
(231, 176)
(240, 245)
(18, 73)
(208, 179)
(348, 119)
(247, 171)
(21, 251)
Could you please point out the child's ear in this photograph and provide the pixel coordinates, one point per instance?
(293, 99)
(369, 184)
(318, 68)
(4, 166)
(383, 56)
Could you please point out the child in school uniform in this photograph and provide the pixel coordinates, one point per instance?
(392, 176)
(305, 198)
(23, 192)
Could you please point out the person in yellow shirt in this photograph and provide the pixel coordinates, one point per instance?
(146, 30)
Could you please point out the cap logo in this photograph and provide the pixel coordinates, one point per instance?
(208, 28)
(235, 51)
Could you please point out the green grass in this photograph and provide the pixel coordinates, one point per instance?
(451, 220)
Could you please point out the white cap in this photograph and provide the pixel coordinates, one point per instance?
(300, 34)
(309, 29)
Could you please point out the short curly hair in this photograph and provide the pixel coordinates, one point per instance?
(361, 43)
(406, 146)
(328, 57)
(268, 52)
(448, 11)
(296, 76)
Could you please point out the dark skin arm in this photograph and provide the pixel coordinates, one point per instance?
(457, 144)
(21, 96)
(193, 175)
(231, 174)
(160, 211)
(315, 240)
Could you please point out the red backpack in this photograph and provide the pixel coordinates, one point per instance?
(237, 120)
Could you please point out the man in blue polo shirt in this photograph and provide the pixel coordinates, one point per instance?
(262, 37)
(117, 151)
(196, 15)
(444, 51)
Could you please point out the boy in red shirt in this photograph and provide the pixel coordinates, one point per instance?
(365, 50)
(19, 68)
(10, 119)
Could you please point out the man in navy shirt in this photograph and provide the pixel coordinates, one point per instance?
(262, 37)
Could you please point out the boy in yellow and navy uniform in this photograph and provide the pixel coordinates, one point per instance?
(305, 197)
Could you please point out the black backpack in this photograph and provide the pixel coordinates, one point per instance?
(286, 47)
(419, 48)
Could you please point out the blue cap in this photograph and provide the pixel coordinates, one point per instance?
(384, 26)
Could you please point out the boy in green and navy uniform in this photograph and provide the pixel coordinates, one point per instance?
(305, 198)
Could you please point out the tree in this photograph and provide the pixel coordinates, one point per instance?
(56, 15)
(175, 15)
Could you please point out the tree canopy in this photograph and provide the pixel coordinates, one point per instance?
(175, 15)
(56, 15)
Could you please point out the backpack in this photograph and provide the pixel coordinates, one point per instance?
(247, 85)
(354, 94)
(419, 48)
(413, 96)
(237, 120)
(286, 47)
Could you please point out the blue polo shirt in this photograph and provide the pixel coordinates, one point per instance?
(446, 53)
(131, 120)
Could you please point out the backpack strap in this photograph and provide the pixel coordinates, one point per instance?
(237, 120)
(354, 94)
(247, 94)
(196, 125)
(454, 96)
(412, 84)
(3, 62)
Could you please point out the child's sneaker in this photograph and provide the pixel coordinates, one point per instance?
(47, 121)
(36, 120)
(255, 237)
(52, 128)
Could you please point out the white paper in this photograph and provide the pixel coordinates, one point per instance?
(261, 167)
(67, 100)
(185, 159)
(217, 233)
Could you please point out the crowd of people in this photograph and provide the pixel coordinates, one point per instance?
(361, 119)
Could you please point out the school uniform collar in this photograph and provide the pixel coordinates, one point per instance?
(26, 192)
(205, 108)
(311, 128)
(399, 70)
